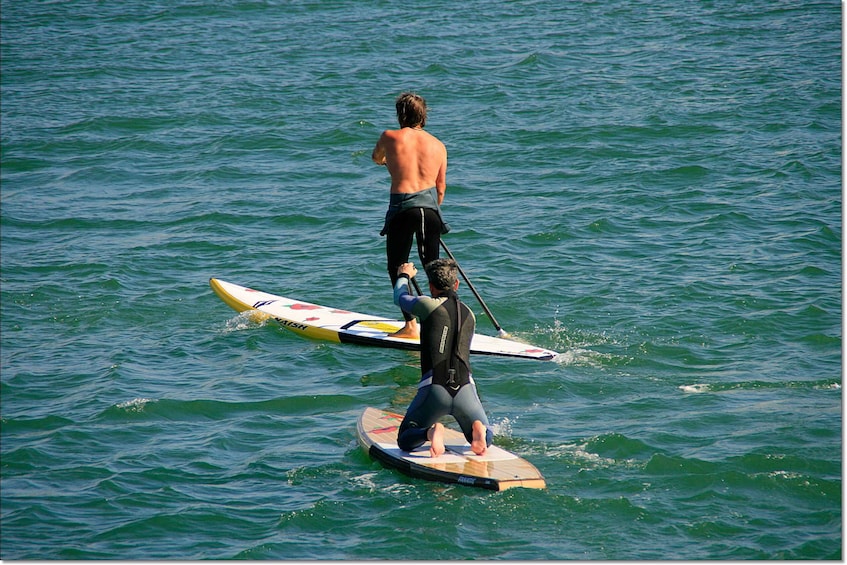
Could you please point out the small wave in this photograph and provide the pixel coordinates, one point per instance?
(365, 481)
(134, 405)
(790, 475)
(400, 490)
(584, 357)
(578, 454)
(247, 320)
(574, 346)
(696, 388)
(503, 428)
(208, 409)
(759, 385)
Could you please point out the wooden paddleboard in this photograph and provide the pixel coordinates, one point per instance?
(496, 469)
(333, 324)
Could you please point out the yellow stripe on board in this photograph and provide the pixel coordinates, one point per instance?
(388, 327)
(312, 332)
(229, 299)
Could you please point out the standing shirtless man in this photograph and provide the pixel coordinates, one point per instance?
(417, 163)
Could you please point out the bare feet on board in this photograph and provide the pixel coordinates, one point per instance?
(408, 331)
(478, 445)
(436, 439)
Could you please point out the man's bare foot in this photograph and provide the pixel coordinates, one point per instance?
(479, 445)
(436, 439)
(408, 331)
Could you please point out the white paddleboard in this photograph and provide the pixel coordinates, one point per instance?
(331, 324)
(496, 469)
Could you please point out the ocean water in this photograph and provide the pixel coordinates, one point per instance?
(652, 189)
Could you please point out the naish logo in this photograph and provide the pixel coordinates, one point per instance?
(466, 480)
(290, 324)
(443, 339)
(261, 303)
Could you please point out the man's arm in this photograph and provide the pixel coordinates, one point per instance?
(402, 296)
(441, 177)
(419, 306)
(378, 154)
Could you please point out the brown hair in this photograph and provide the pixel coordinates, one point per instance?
(411, 110)
(442, 273)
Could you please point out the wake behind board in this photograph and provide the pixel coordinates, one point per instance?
(331, 324)
(496, 469)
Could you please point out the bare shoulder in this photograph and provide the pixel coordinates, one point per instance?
(439, 144)
(436, 140)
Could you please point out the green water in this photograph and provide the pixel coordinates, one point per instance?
(651, 188)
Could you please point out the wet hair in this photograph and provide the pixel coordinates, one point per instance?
(411, 110)
(442, 273)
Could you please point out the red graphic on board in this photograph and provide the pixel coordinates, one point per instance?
(312, 319)
(340, 312)
(387, 430)
(305, 307)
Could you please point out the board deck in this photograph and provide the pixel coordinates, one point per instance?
(332, 324)
(496, 469)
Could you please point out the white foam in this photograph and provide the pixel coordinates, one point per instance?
(365, 481)
(134, 405)
(249, 319)
(503, 428)
(696, 388)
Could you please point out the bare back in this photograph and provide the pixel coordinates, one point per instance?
(416, 160)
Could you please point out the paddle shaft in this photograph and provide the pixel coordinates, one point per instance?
(491, 317)
(416, 285)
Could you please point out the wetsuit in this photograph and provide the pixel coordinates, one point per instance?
(446, 385)
(416, 214)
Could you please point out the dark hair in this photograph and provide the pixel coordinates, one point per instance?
(411, 110)
(442, 273)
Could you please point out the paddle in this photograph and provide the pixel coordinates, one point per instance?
(416, 285)
(500, 331)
